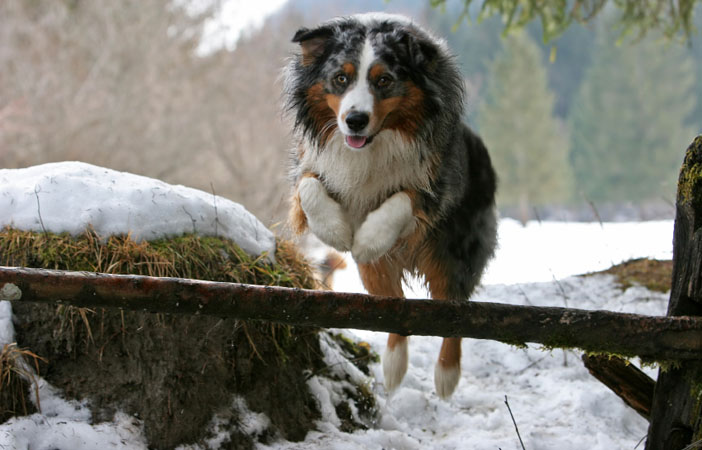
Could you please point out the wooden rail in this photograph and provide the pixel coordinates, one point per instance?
(651, 338)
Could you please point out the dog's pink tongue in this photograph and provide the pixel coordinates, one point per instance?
(356, 141)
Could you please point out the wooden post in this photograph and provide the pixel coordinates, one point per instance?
(676, 415)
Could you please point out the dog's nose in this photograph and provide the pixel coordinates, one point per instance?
(357, 120)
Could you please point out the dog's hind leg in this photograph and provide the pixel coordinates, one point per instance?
(395, 361)
(447, 371)
(385, 278)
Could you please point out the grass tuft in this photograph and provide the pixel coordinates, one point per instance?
(187, 256)
(15, 376)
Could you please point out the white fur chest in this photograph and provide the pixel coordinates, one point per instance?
(362, 179)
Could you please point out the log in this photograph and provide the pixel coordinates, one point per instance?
(651, 338)
(676, 415)
(627, 381)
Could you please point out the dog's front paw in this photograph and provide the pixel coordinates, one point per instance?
(381, 229)
(333, 229)
(372, 240)
(325, 217)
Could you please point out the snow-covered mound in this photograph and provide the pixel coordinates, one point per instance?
(70, 196)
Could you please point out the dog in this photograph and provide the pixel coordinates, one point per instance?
(385, 168)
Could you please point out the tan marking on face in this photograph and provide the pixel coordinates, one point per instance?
(349, 69)
(334, 102)
(323, 107)
(376, 71)
(382, 110)
(404, 113)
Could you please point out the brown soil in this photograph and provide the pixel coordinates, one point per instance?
(176, 372)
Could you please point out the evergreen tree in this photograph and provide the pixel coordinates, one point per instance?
(527, 144)
(628, 121)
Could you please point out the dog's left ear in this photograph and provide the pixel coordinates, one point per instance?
(422, 51)
(312, 42)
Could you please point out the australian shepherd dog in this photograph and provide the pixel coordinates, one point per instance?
(384, 167)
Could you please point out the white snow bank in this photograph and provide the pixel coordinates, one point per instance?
(70, 196)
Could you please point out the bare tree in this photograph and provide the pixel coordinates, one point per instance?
(119, 84)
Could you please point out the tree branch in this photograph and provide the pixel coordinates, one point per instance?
(652, 338)
(627, 381)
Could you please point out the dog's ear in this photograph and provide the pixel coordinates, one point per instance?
(313, 42)
(422, 52)
(418, 50)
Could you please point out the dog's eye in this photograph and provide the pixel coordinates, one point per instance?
(384, 81)
(341, 80)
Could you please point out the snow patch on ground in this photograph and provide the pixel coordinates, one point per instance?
(41, 432)
(220, 428)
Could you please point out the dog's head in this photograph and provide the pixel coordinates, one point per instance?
(364, 74)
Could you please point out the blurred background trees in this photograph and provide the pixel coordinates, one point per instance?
(528, 145)
(598, 114)
(629, 120)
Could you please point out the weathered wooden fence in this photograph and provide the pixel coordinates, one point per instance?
(652, 338)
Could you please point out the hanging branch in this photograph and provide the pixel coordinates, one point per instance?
(624, 379)
(652, 338)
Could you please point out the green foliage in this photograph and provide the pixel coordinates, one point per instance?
(528, 146)
(628, 121)
(673, 18)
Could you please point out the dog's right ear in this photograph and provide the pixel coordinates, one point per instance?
(312, 42)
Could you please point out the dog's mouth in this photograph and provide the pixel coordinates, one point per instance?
(358, 141)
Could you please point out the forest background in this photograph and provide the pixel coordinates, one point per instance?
(591, 125)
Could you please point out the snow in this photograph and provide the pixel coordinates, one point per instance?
(555, 402)
(548, 251)
(70, 196)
